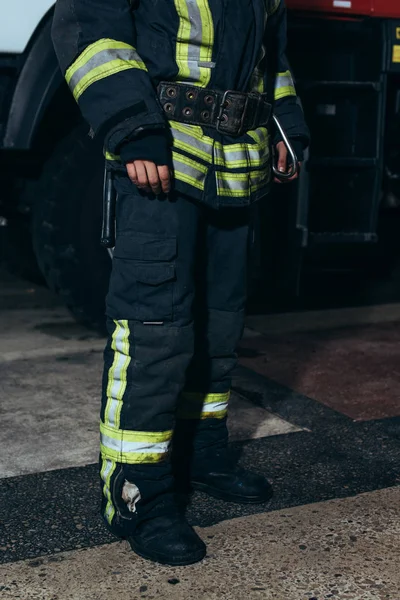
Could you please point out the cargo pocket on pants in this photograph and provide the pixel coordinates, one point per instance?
(142, 278)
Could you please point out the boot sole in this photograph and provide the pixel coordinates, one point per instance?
(179, 562)
(216, 493)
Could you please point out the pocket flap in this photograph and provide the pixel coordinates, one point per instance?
(143, 246)
(154, 274)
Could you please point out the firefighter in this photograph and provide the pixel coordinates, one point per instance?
(180, 92)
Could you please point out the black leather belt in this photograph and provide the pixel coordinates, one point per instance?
(230, 112)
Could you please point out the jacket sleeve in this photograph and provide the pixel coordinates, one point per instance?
(95, 45)
(286, 104)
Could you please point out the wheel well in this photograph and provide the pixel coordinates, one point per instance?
(39, 95)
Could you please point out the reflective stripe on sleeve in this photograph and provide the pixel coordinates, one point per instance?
(99, 60)
(284, 85)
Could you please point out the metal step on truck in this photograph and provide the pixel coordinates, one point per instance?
(346, 59)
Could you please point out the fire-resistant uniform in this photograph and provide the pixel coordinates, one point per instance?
(177, 292)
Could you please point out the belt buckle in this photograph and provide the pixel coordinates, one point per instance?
(221, 111)
(240, 130)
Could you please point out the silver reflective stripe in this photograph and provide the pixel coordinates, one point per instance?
(207, 64)
(259, 178)
(101, 58)
(253, 155)
(107, 469)
(194, 42)
(194, 38)
(109, 511)
(241, 186)
(188, 171)
(215, 407)
(134, 447)
(284, 80)
(117, 374)
(234, 185)
(191, 142)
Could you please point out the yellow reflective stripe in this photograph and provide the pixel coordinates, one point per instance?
(189, 171)
(189, 149)
(206, 398)
(144, 437)
(112, 67)
(238, 185)
(232, 156)
(91, 51)
(284, 85)
(134, 446)
(99, 60)
(132, 458)
(258, 81)
(107, 470)
(194, 42)
(242, 155)
(194, 131)
(112, 157)
(258, 182)
(189, 143)
(117, 374)
(196, 405)
(186, 414)
(259, 135)
(285, 91)
(191, 138)
(206, 49)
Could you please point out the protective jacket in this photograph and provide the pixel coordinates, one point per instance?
(114, 53)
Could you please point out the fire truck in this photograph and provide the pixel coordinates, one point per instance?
(345, 55)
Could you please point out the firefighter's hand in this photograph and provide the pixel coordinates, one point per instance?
(149, 177)
(282, 163)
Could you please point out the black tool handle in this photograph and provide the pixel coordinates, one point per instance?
(109, 204)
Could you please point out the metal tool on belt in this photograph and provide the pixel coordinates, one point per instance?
(230, 112)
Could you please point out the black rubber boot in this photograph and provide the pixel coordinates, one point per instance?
(145, 513)
(168, 540)
(202, 461)
(220, 477)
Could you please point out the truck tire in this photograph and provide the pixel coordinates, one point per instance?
(66, 227)
(17, 256)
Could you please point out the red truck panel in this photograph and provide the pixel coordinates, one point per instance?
(375, 8)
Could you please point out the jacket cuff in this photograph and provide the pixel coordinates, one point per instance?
(126, 125)
(152, 145)
(291, 118)
(298, 148)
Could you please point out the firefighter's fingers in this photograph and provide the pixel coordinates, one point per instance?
(282, 157)
(164, 176)
(141, 172)
(152, 177)
(297, 174)
(131, 170)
